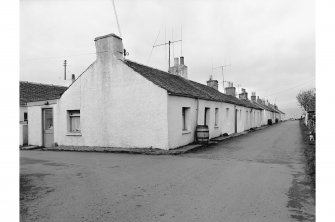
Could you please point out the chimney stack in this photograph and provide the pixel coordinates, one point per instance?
(230, 90)
(179, 69)
(213, 83)
(243, 94)
(73, 78)
(253, 96)
(109, 47)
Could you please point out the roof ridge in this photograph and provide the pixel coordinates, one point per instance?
(45, 84)
(202, 91)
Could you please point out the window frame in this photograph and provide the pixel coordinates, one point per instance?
(71, 114)
(185, 119)
(25, 116)
(216, 117)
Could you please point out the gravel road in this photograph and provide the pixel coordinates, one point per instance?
(257, 177)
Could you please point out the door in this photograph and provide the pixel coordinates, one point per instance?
(235, 120)
(206, 118)
(48, 128)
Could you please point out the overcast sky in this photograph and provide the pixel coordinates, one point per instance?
(269, 44)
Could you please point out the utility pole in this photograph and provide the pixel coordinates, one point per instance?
(65, 69)
(167, 43)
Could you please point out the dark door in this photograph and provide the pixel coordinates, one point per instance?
(206, 118)
(48, 128)
(235, 120)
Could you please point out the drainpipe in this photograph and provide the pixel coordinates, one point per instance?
(197, 111)
(197, 121)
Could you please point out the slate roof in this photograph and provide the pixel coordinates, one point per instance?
(179, 86)
(31, 92)
(266, 107)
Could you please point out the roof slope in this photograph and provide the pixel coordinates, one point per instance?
(180, 86)
(31, 92)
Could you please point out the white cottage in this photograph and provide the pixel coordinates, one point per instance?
(120, 103)
(34, 93)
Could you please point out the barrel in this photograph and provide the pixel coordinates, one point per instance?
(202, 134)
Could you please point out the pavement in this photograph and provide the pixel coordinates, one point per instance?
(146, 151)
(256, 177)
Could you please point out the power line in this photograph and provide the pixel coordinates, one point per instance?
(153, 47)
(65, 56)
(290, 88)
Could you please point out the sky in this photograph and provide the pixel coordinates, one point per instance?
(268, 46)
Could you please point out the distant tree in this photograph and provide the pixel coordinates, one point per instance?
(306, 99)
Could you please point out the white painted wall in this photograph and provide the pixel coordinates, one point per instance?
(35, 136)
(226, 122)
(118, 108)
(23, 134)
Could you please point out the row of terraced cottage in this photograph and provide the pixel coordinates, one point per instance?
(120, 103)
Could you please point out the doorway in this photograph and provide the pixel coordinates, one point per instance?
(206, 117)
(47, 127)
(236, 120)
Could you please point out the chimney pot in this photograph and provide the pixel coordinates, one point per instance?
(181, 60)
(176, 61)
(179, 69)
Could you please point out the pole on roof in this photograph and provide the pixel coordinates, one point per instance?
(169, 57)
(65, 69)
(168, 43)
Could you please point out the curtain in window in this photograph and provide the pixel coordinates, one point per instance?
(75, 123)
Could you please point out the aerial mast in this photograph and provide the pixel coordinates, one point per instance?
(222, 67)
(169, 44)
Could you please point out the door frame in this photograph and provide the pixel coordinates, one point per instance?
(236, 111)
(42, 114)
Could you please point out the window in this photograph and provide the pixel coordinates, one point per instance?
(216, 122)
(206, 119)
(74, 121)
(25, 116)
(185, 113)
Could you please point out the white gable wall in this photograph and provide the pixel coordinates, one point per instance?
(118, 108)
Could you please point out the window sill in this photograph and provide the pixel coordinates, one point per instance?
(73, 134)
(216, 127)
(186, 132)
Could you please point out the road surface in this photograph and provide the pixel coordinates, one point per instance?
(256, 177)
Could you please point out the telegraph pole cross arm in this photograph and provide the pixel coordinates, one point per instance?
(167, 43)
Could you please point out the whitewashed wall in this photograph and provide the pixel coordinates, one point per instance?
(35, 136)
(226, 121)
(118, 108)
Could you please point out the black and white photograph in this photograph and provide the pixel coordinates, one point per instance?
(157, 110)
